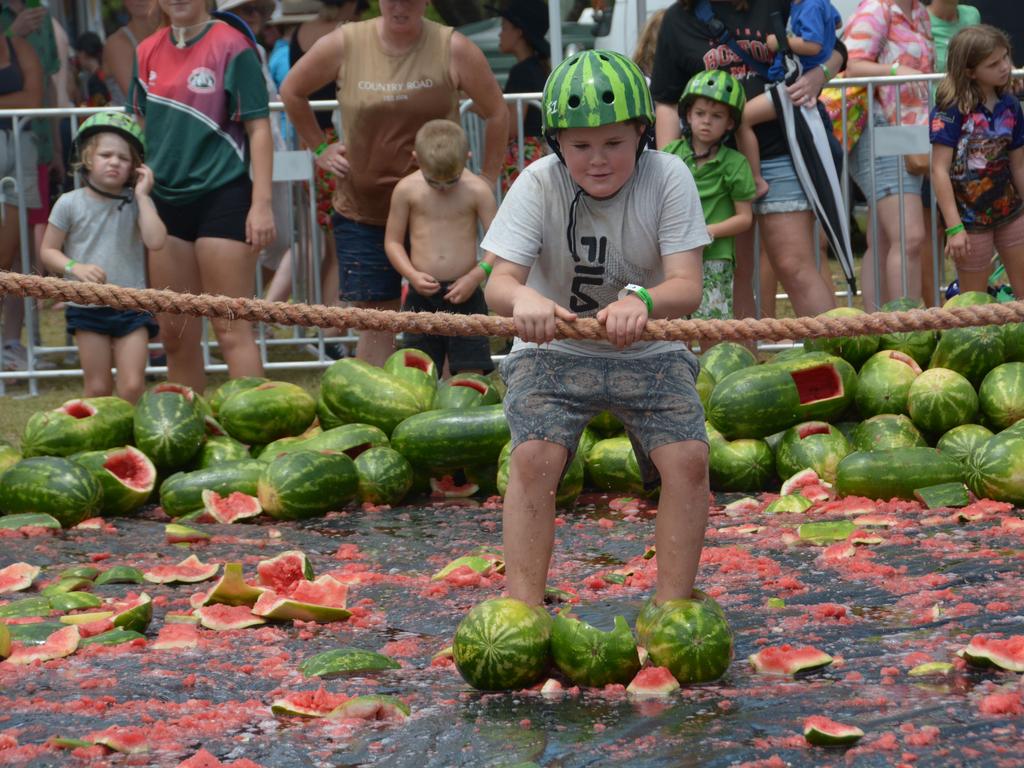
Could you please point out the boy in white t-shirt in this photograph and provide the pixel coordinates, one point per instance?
(600, 228)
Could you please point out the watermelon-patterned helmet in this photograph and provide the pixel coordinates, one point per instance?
(719, 86)
(119, 123)
(594, 88)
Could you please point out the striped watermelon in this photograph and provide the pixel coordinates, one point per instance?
(762, 400)
(884, 383)
(995, 470)
(220, 449)
(266, 412)
(232, 386)
(307, 484)
(87, 424)
(1001, 395)
(940, 399)
(502, 644)
(612, 466)
(352, 439)
(971, 352)
(385, 475)
(416, 368)
(9, 456)
(960, 442)
(853, 349)
(690, 637)
(725, 358)
(51, 485)
(918, 344)
(885, 431)
(182, 492)
(169, 429)
(895, 473)
(356, 391)
(746, 464)
(813, 444)
(452, 438)
(591, 656)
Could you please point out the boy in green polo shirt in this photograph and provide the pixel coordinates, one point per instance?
(713, 106)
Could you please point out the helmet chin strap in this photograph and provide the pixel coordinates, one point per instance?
(125, 197)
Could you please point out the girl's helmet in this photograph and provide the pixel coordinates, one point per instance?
(719, 86)
(594, 88)
(119, 123)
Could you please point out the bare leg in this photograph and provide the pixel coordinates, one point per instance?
(130, 357)
(528, 518)
(768, 284)
(95, 353)
(175, 268)
(682, 516)
(928, 274)
(973, 281)
(10, 237)
(280, 287)
(892, 259)
(788, 238)
(869, 269)
(743, 304)
(759, 110)
(1013, 262)
(375, 347)
(228, 267)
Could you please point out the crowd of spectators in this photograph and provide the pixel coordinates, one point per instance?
(392, 74)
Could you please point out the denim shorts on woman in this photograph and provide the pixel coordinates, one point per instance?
(553, 395)
(108, 321)
(785, 193)
(364, 271)
(888, 170)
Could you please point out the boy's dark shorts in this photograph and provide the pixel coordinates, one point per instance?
(553, 395)
(464, 353)
(218, 213)
(364, 272)
(108, 321)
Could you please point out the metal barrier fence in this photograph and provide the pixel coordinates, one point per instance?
(295, 169)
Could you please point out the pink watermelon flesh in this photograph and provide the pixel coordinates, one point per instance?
(174, 636)
(129, 467)
(787, 660)
(121, 739)
(1005, 653)
(813, 385)
(813, 428)
(17, 576)
(318, 703)
(653, 681)
(78, 409)
(222, 617)
(477, 385)
(449, 487)
(235, 506)
(281, 572)
(188, 571)
(323, 591)
(178, 389)
(413, 360)
(61, 643)
(905, 359)
(801, 479)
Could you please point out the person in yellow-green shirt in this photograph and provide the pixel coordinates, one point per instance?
(712, 105)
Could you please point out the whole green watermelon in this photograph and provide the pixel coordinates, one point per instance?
(169, 429)
(306, 484)
(267, 412)
(690, 637)
(503, 644)
(51, 485)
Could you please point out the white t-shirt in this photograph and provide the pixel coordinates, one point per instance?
(618, 240)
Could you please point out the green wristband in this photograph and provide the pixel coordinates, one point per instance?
(894, 69)
(827, 71)
(321, 149)
(955, 230)
(641, 293)
(485, 267)
(69, 266)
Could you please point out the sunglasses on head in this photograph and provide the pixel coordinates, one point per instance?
(441, 185)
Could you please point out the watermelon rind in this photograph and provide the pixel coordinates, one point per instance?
(75, 601)
(995, 470)
(176, 533)
(232, 588)
(971, 352)
(612, 466)
(931, 668)
(593, 657)
(121, 495)
(960, 442)
(52, 485)
(282, 607)
(120, 574)
(854, 349)
(28, 520)
(318, 703)
(940, 399)
(822, 732)
(88, 572)
(452, 438)
(112, 637)
(358, 392)
(502, 644)
(17, 576)
(1001, 395)
(691, 637)
(224, 618)
(813, 445)
(918, 344)
(182, 492)
(86, 424)
(477, 563)
(826, 531)
(788, 660)
(742, 465)
(790, 504)
(943, 495)
(343, 661)
(372, 707)
(896, 473)
(63, 585)
(884, 383)
(135, 614)
(1004, 653)
(232, 386)
(218, 450)
(886, 431)
(231, 507)
(27, 606)
(61, 643)
(352, 439)
(5, 641)
(416, 369)
(85, 618)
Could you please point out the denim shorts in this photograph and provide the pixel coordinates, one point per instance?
(365, 273)
(785, 193)
(553, 395)
(464, 353)
(108, 321)
(888, 170)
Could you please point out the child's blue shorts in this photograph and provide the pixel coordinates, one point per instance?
(108, 321)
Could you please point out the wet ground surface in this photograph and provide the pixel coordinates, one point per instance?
(919, 594)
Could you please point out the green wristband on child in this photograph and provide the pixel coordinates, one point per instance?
(955, 230)
(641, 293)
(894, 70)
(69, 266)
(485, 267)
(321, 149)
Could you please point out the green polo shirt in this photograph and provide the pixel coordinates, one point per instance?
(943, 31)
(722, 181)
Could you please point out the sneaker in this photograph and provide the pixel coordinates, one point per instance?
(335, 350)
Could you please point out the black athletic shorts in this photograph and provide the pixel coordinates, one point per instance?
(464, 353)
(219, 213)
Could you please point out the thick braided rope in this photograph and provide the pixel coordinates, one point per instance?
(443, 324)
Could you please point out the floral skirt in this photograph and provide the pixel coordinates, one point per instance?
(325, 184)
(533, 149)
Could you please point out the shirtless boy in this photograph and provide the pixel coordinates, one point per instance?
(431, 239)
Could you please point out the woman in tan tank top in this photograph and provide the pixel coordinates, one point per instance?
(393, 74)
(119, 51)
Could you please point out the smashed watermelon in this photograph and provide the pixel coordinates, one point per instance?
(322, 600)
(787, 660)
